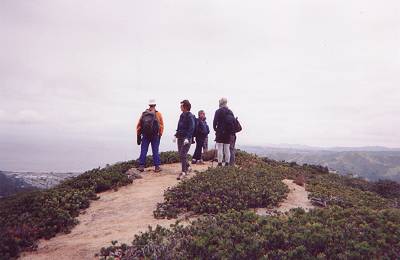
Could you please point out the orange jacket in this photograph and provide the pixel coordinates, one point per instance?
(160, 122)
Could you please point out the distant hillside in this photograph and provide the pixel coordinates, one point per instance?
(10, 185)
(372, 163)
(41, 180)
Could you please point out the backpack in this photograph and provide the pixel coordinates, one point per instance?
(238, 126)
(149, 124)
(229, 122)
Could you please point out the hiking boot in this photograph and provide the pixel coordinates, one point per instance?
(181, 175)
(141, 169)
(219, 164)
(157, 169)
(200, 162)
(194, 161)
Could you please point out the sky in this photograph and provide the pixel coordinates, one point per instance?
(76, 75)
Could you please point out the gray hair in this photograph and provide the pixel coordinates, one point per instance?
(223, 102)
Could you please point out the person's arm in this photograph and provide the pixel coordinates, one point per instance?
(179, 127)
(161, 123)
(139, 132)
(139, 127)
(215, 121)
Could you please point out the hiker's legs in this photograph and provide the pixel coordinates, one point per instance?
(143, 151)
(232, 150)
(183, 154)
(220, 152)
(185, 151)
(199, 147)
(227, 154)
(155, 144)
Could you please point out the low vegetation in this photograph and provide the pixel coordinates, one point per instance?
(27, 217)
(333, 233)
(221, 189)
(356, 219)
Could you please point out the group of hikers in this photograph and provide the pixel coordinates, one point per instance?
(190, 130)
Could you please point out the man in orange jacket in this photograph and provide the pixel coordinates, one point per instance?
(149, 131)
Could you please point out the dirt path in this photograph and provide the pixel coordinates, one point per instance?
(297, 198)
(115, 216)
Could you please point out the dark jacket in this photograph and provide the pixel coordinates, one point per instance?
(221, 135)
(186, 126)
(202, 129)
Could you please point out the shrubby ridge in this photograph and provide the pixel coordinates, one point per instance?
(356, 219)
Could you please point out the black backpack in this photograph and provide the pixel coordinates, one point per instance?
(229, 123)
(149, 124)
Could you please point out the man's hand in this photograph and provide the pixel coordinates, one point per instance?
(186, 141)
(139, 140)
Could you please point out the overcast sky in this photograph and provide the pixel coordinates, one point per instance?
(75, 75)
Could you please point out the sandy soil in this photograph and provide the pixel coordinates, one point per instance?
(115, 216)
(297, 198)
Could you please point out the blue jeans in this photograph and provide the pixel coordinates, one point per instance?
(155, 143)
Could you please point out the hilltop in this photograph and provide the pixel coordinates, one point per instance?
(247, 211)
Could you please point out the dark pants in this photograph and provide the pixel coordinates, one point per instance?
(183, 150)
(155, 143)
(232, 144)
(199, 148)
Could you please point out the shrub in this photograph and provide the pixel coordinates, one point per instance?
(332, 189)
(221, 189)
(387, 188)
(332, 233)
(209, 155)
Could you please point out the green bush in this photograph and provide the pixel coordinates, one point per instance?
(332, 233)
(220, 189)
(386, 188)
(332, 189)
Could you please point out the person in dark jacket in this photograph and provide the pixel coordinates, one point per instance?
(223, 125)
(201, 132)
(184, 135)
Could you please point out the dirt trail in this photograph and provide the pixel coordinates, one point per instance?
(115, 216)
(297, 198)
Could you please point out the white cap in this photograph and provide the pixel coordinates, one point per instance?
(152, 102)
